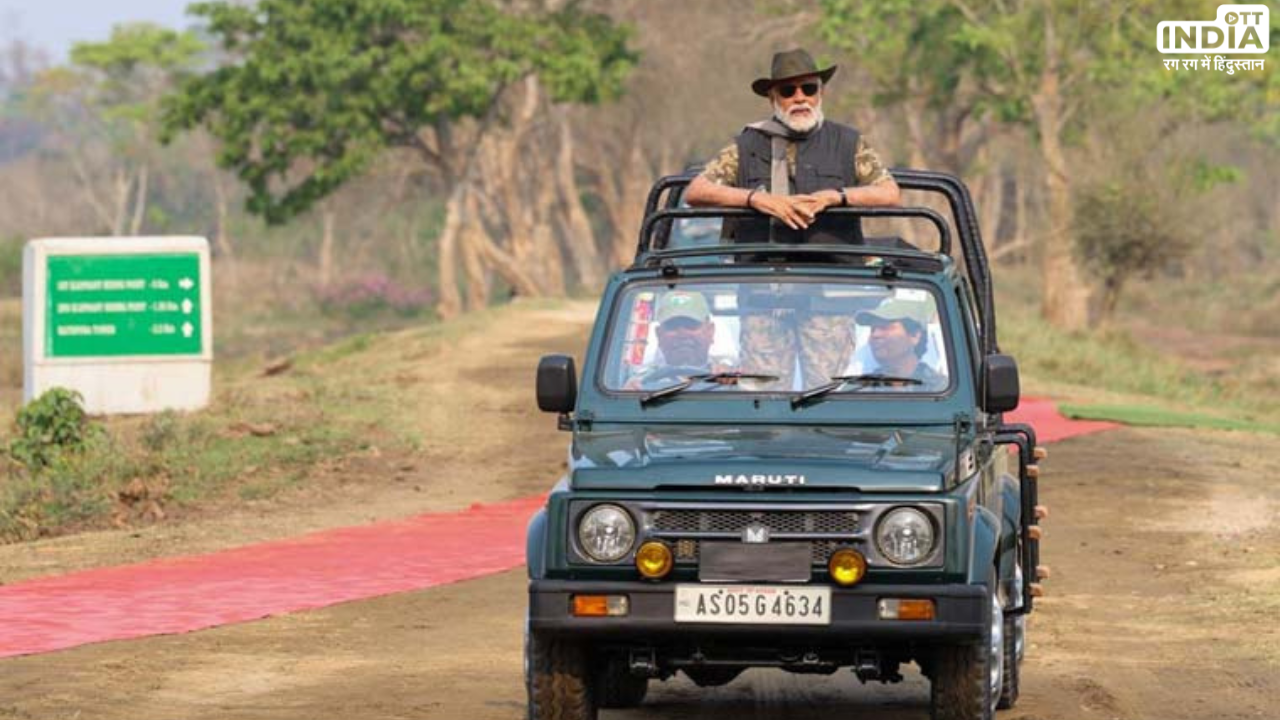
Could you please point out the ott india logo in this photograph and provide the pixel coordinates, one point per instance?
(1238, 29)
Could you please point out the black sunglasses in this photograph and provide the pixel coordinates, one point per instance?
(810, 89)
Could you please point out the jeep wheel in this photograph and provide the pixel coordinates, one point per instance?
(616, 687)
(557, 677)
(966, 679)
(1015, 646)
(1011, 670)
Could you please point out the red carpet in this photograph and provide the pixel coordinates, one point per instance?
(182, 594)
(190, 593)
(1050, 425)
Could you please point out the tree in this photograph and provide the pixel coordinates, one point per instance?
(915, 61)
(1049, 61)
(105, 105)
(319, 89)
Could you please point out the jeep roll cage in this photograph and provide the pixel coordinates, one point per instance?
(651, 250)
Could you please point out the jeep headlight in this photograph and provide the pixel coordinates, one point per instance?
(905, 536)
(606, 533)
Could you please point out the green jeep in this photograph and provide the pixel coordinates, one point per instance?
(787, 456)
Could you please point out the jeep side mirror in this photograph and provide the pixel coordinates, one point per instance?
(557, 384)
(1002, 387)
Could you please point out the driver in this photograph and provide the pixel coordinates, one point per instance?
(685, 332)
(898, 341)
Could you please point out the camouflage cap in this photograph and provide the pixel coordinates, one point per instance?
(679, 303)
(895, 310)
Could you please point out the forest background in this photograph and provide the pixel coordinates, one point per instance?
(361, 165)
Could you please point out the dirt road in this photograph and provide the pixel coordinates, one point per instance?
(1164, 546)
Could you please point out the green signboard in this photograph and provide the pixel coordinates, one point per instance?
(113, 305)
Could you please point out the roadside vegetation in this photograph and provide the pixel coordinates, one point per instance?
(270, 425)
(1112, 373)
(275, 422)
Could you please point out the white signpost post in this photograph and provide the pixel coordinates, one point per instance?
(127, 322)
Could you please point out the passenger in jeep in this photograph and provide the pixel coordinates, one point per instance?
(685, 332)
(898, 342)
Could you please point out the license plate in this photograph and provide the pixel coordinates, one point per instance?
(753, 604)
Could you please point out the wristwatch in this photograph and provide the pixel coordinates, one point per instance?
(844, 199)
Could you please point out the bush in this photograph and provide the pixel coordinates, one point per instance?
(51, 424)
(1125, 229)
(373, 295)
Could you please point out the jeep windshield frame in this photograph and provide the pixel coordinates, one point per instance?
(609, 354)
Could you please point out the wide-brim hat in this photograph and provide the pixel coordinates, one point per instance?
(790, 64)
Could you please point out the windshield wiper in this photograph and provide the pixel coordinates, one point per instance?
(719, 377)
(839, 381)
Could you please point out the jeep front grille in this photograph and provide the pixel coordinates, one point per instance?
(823, 530)
(823, 522)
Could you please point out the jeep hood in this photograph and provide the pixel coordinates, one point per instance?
(868, 459)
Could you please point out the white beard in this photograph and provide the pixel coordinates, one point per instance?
(799, 124)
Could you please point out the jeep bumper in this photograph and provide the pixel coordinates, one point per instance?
(961, 614)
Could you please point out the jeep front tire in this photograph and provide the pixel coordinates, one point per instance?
(558, 679)
(966, 679)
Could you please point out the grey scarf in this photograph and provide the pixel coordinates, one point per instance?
(779, 135)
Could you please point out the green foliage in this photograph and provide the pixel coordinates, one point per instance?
(1206, 176)
(319, 88)
(1160, 417)
(66, 494)
(121, 79)
(1105, 54)
(54, 423)
(905, 46)
(1124, 227)
(161, 431)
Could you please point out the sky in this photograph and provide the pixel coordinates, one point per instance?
(54, 25)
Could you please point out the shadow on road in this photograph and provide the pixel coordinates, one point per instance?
(774, 693)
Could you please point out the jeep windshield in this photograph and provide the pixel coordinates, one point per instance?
(755, 336)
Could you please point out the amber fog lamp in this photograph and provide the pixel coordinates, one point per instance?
(847, 567)
(654, 560)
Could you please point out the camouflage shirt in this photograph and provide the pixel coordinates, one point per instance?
(867, 167)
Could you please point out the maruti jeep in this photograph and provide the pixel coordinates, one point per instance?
(814, 507)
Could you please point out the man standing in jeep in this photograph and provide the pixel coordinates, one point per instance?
(791, 167)
(795, 164)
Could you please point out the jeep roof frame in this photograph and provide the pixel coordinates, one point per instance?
(959, 201)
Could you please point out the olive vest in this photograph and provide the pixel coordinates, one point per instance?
(824, 161)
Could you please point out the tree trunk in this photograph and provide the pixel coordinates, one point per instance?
(1110, 299)
(121, 209)
(1065, 296)
(580, 241)
(139, 200)
(221, 237)
(326, 245)
(914, 112)
(623, 191)
(1020, 208)
(450, 300)
(990, 203)
(477, 278)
